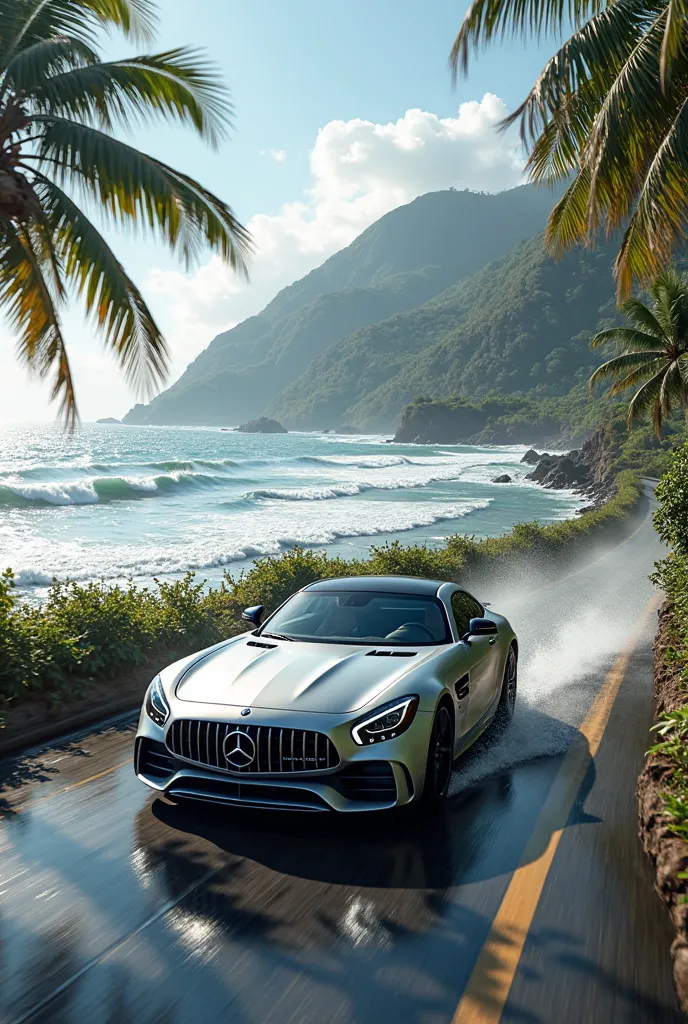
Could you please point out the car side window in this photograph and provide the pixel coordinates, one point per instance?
(465, 608)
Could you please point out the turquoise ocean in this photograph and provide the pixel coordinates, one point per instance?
(113, 502)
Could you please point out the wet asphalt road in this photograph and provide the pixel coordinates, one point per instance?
(117, 907)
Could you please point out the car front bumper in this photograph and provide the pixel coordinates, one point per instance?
(377, 777)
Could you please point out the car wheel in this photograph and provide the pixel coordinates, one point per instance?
(440, 757)
(507, 700)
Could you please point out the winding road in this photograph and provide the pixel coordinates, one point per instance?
(525, 899)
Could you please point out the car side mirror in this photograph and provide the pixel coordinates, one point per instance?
(480, 627)
(253, 614)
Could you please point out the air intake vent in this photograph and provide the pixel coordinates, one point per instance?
(254, 643)
(391, 654)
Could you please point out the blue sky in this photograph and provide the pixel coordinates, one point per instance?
(296, 70)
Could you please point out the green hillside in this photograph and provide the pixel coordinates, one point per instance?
(396, 265)
(521, 324)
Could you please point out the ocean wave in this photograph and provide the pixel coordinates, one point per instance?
(358, 461)
(347, 489)
(20, 494)
(198, 556)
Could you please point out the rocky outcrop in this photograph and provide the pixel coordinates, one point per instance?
(262, 425)
(108, 419)
(585, 469)
(425, 422)
(531, 457)
(503, 479)
(667, 852)
(562, 471)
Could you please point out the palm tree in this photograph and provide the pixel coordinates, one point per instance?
(653, 351)
(59, 105)
(609, 115)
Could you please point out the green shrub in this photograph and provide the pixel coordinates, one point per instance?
(671, 518)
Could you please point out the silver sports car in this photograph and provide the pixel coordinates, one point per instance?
(286, 716)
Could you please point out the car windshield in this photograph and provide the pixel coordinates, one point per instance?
(361, 617)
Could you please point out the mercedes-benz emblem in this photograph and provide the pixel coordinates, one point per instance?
(239, 749)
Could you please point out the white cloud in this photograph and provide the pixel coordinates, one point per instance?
(360, 171)
(278, 155)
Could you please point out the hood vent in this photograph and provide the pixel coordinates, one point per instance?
(254, 643)
(391, 654)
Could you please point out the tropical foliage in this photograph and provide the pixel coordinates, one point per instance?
(671, 576)
(610, 112)
(60, 105)
(671, 518)
(653, 351)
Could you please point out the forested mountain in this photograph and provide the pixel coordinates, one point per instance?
(521, 324)
(409, 256)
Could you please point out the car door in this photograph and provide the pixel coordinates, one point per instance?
(481, 659)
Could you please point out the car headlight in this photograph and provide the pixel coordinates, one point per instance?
(157, 707)
(386, 722)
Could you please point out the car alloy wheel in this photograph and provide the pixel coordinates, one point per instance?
(440, 757)
(507, 701)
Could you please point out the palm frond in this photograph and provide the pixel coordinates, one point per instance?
(674, 38)
(623, 366)
(629, 339)
(642, 317)
(179, 84)
(128, 327)
(26, 22)
(645, 398)
(567, 223)
(486, 20)
(619, 149)
(30, 306)
(33, 66)
(570, 89)
(673, 390)
(135, 189)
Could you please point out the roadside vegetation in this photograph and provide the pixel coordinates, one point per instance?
(84, 633)
(671, 521)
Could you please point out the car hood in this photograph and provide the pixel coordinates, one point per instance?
(295, 676)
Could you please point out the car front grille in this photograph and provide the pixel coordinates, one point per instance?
(271, 750)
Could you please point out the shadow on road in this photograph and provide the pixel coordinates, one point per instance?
(479, 833)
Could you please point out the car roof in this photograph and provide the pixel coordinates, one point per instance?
(382, 584)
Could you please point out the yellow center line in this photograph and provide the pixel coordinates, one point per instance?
(488, 987)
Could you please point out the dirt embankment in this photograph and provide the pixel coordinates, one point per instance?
(35, 720)
(668, 853)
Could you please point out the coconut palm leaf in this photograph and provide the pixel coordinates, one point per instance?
(137, 189)
(647, 399)
(127, 325)
(611, 110)
(629, 339)
(31, 308)
(656, 357)
(487, 20)
(642, 317)
(59, 106)
(178, 85)
(626, 369)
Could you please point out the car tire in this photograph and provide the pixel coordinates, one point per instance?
(507, 699)
(440, 757)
